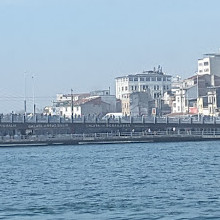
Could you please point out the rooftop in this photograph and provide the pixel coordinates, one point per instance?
(144, 74)
(212, 54)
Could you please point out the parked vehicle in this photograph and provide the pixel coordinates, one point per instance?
(115, 115)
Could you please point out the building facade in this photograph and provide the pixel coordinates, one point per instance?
(94, 103)
(154, 83)
(210, 64)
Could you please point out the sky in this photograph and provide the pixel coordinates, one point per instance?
(52, 46)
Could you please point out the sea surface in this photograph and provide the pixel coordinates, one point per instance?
(120, 181)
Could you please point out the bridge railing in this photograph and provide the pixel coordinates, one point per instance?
(38, 118)
(106, 136)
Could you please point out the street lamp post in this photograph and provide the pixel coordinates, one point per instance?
(33, 91)
(25, 95)
(72, 104)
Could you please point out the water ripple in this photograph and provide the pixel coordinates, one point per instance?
(134, 181)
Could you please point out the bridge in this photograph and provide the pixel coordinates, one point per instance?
(108, 138)
(55, 125)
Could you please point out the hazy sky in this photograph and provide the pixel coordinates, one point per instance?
(85, 44)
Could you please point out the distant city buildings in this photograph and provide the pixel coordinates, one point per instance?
(96, 103)
(199, 93)
(150, 93)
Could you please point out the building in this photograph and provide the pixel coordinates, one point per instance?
(75, 104)
(191, 96)
(107, 98)
(91, 106)
(210, 64)
(209, 105)
(71, 97)
(64, 104)
(141, 103)
(156, 81)
(149, 84)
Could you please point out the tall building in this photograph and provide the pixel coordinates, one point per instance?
(154, 83)
(210, 64)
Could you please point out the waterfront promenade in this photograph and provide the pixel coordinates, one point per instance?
(103, 138)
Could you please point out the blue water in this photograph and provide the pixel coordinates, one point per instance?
(130, 181)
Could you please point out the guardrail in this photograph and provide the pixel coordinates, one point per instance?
(13, 118)
(106, 136)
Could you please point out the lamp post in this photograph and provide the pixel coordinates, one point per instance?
(198, 96)
(33, 92)
(72, 104)
(25, 95)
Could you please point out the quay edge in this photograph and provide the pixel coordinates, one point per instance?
(104, 138)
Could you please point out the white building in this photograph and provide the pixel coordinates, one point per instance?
(210, 64)
(76, 104)
(156, 81)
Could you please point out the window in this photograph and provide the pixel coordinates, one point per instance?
(135, 88)
(164, 87)
(147, 78)
(145, 87)
(132, 88)
(126, 88)
(206, 70)
(200, 64)
(130, 79)
(141, 79)
(136, 79)
(122, 88)
(206, 63)
(159, 78)
(156, 87)
(153, 78)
